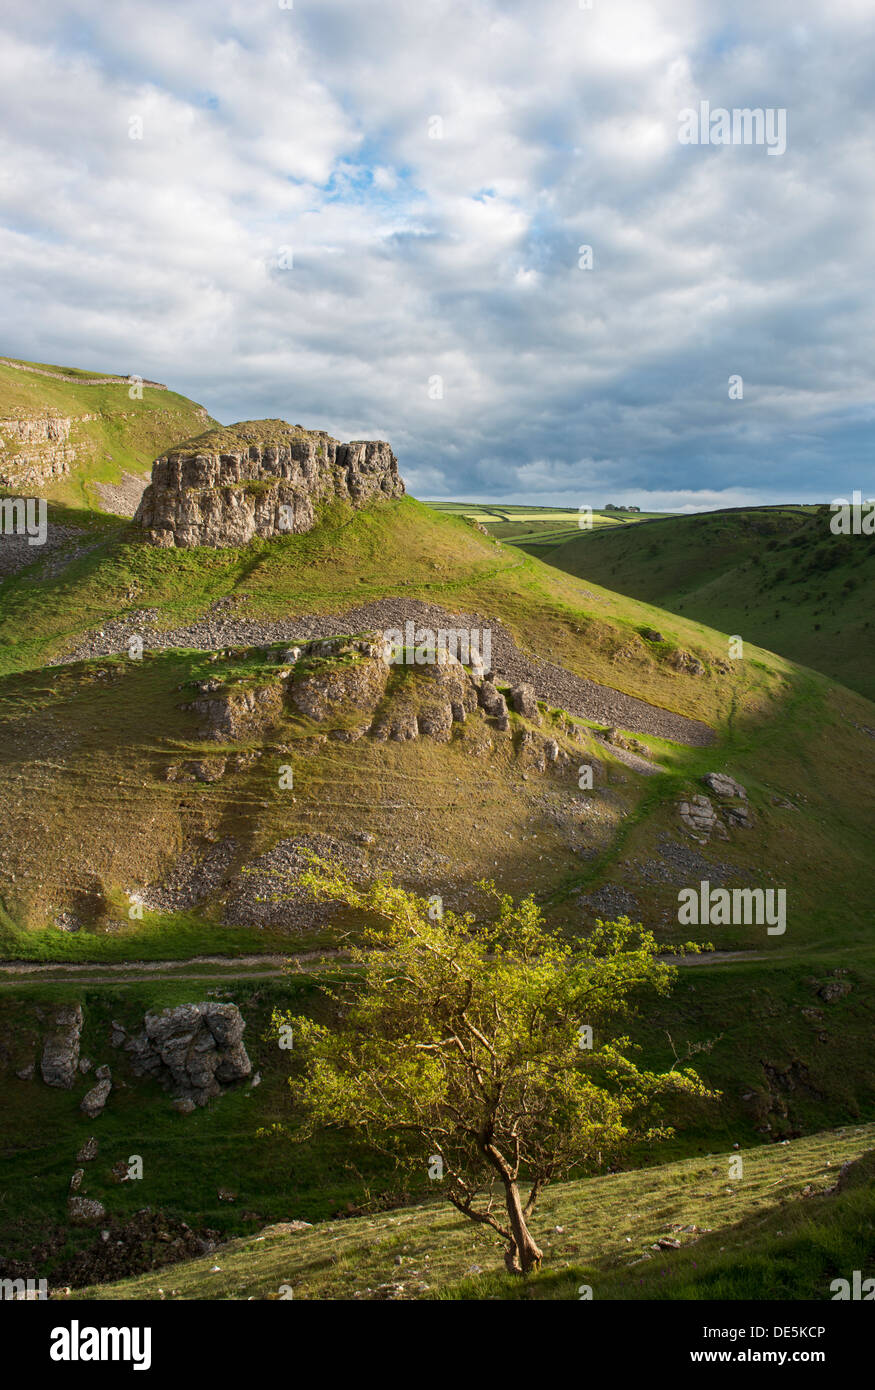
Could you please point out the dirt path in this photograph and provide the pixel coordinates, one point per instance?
(310, 962)
(576, 694)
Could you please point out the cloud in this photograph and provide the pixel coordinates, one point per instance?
(332, 205)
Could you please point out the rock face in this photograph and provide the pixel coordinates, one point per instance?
(195, 1050)
(34, 449)
(60, 1058)
(259, 478)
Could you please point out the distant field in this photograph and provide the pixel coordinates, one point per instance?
(537, 530)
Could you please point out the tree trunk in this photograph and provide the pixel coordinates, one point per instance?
(522, 1255)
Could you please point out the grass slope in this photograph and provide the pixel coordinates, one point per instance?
(774, 1233)
(111, 433)
(777, 576)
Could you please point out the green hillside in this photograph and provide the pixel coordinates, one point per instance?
(98, 433)
(779, 1232)
(113, 789)
(777, 576)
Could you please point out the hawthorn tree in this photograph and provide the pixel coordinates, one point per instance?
(483, 1048)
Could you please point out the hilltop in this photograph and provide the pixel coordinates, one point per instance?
(82, 438)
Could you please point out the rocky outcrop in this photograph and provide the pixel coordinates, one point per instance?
(698, 815)
(685, 662)
(701, 816)
(60, 1058)
(358, 685)
(34, 448)
(237, 714)
(259, 478)
(194, 1050)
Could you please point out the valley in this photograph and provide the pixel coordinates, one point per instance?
(195, 697)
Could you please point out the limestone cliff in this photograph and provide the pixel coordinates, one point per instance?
(36, 449)
(259, 478)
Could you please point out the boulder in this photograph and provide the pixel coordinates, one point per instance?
(698, 814)
(524, 702)
(723, 785)
(60, 1058)
(194, 1050)
(93, 1102)
(492, 700)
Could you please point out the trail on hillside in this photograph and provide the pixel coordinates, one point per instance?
(310, 963)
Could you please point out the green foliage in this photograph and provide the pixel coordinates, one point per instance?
(465, 1041)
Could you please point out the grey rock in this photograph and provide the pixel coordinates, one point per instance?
(834, 989)
(93, 1102)
(524, 702)
(195, 1050)
(88, 1151)
(723, 785)
(698, 815)
(259, 478)
(492, 700)
(85, 1211)
(61, 1048)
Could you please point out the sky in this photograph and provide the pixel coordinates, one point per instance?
(367, 216)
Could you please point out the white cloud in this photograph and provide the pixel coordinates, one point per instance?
(308, 129)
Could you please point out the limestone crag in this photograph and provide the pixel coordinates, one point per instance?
(195, 1050)
(35, 448)
(260, 478)
(60, 1058)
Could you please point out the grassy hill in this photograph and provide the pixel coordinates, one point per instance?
(775, 575)
(86, 424)
(776, 1233)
